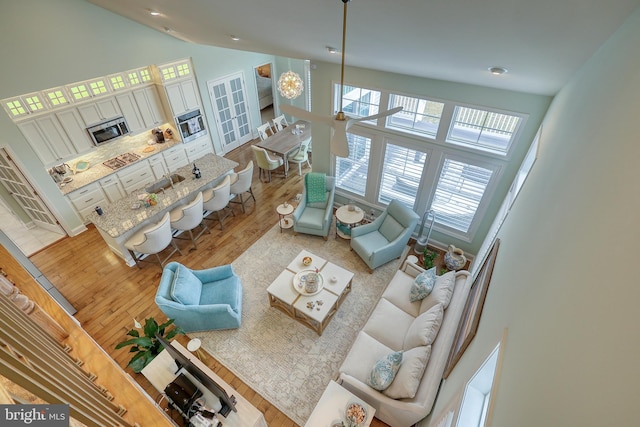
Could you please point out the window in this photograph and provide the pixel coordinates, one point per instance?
(175, 71)
(117, 82)
(14, 107)
(357, 102)
(418, 115)
(34, 102)
(352, 171)
(401, 173)
(56, 97)
(98, 87)
(79, 92)
(458, 193)
(485, 130)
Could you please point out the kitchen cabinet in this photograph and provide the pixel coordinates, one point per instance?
(72, 123)
(130, 111)
(150, 106)
(99, 111)
(183, 96)
(87, 198)
(48, 139)
(158, 166)
(136, 176)
(175, 157)
(198, 148)
(112, 188)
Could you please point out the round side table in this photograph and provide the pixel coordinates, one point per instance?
(194, 347)
(284, 215)
(348, 218)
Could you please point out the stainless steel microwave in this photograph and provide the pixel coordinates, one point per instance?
(108, 131)
(191, 126)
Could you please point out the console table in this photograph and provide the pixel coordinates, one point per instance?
(162, 370)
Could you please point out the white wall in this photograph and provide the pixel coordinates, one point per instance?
(565, 282)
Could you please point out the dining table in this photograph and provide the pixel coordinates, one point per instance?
(287, 140)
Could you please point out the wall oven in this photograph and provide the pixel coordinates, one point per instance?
(108, 131)
(191, 125)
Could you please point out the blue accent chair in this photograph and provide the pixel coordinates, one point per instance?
(200, 300)
(315, 218)
(386, 237)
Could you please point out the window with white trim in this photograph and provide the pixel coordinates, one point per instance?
(418, 115)
(459, 192)
(401, 174)
(484, 130)
(358, 101)
(351, 172)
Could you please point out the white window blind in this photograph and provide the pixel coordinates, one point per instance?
(485, 130)
(401, 173)
(351, 172)
(418, 115)
(459, 192)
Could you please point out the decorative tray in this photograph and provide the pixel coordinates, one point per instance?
(299, 281)
(80, 166)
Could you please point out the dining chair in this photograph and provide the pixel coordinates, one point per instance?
(216, 201)
(265, 162)
(241, 184)
(280, 122)
(188, 217)
(264, 131)
(151, 240)
(301, 155)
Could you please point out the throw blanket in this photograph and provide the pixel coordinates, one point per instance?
(316, 187)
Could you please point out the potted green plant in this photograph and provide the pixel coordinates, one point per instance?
(147, 347)
(429, 257)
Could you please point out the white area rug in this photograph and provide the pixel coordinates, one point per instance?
(283, 360)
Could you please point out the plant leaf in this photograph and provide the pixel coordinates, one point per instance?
(150, 327)
(133, 333)
(141, 341)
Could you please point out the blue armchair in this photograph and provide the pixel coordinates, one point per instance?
(200, 300)
(315, 217)
(386, 237)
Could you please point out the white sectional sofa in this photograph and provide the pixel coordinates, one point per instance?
(397, 324)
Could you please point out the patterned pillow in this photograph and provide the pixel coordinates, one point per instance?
(384, 371)
(423, 285)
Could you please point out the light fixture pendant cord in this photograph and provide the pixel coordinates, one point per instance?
(344, 37)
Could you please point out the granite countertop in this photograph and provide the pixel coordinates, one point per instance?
(120, 217)
(138, 144)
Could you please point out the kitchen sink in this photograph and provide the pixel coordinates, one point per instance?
(164, 183)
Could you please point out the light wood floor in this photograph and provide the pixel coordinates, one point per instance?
(109, 295)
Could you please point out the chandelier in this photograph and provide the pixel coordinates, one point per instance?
(290, 85)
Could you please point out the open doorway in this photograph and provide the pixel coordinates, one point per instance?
(264, 82)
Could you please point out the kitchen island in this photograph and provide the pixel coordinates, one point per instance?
(123, 217)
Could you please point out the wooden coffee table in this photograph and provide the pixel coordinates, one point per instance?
(312, 310)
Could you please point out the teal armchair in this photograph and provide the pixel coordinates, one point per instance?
(386, 237)
(200, 300)
(315, 217)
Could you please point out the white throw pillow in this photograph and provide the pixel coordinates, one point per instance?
(424, 329)
(384, 371)
(409, 376)
(423, 285)
(441, 293)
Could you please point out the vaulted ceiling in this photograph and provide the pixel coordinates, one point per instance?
(541, 43)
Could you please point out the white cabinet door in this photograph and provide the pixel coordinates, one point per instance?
(158, 166)
(86, 199)
(48, 139)
(150, 106)
(136, 176)
(99, 111)
(76, 131)
(112, 188)
(175, 157)
(183, 96)
(130, 111)
(198, 148)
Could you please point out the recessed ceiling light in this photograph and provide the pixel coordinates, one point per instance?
(154, 12)
(496, 71)
(332, 49)
(168, 30)
(235, 38)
